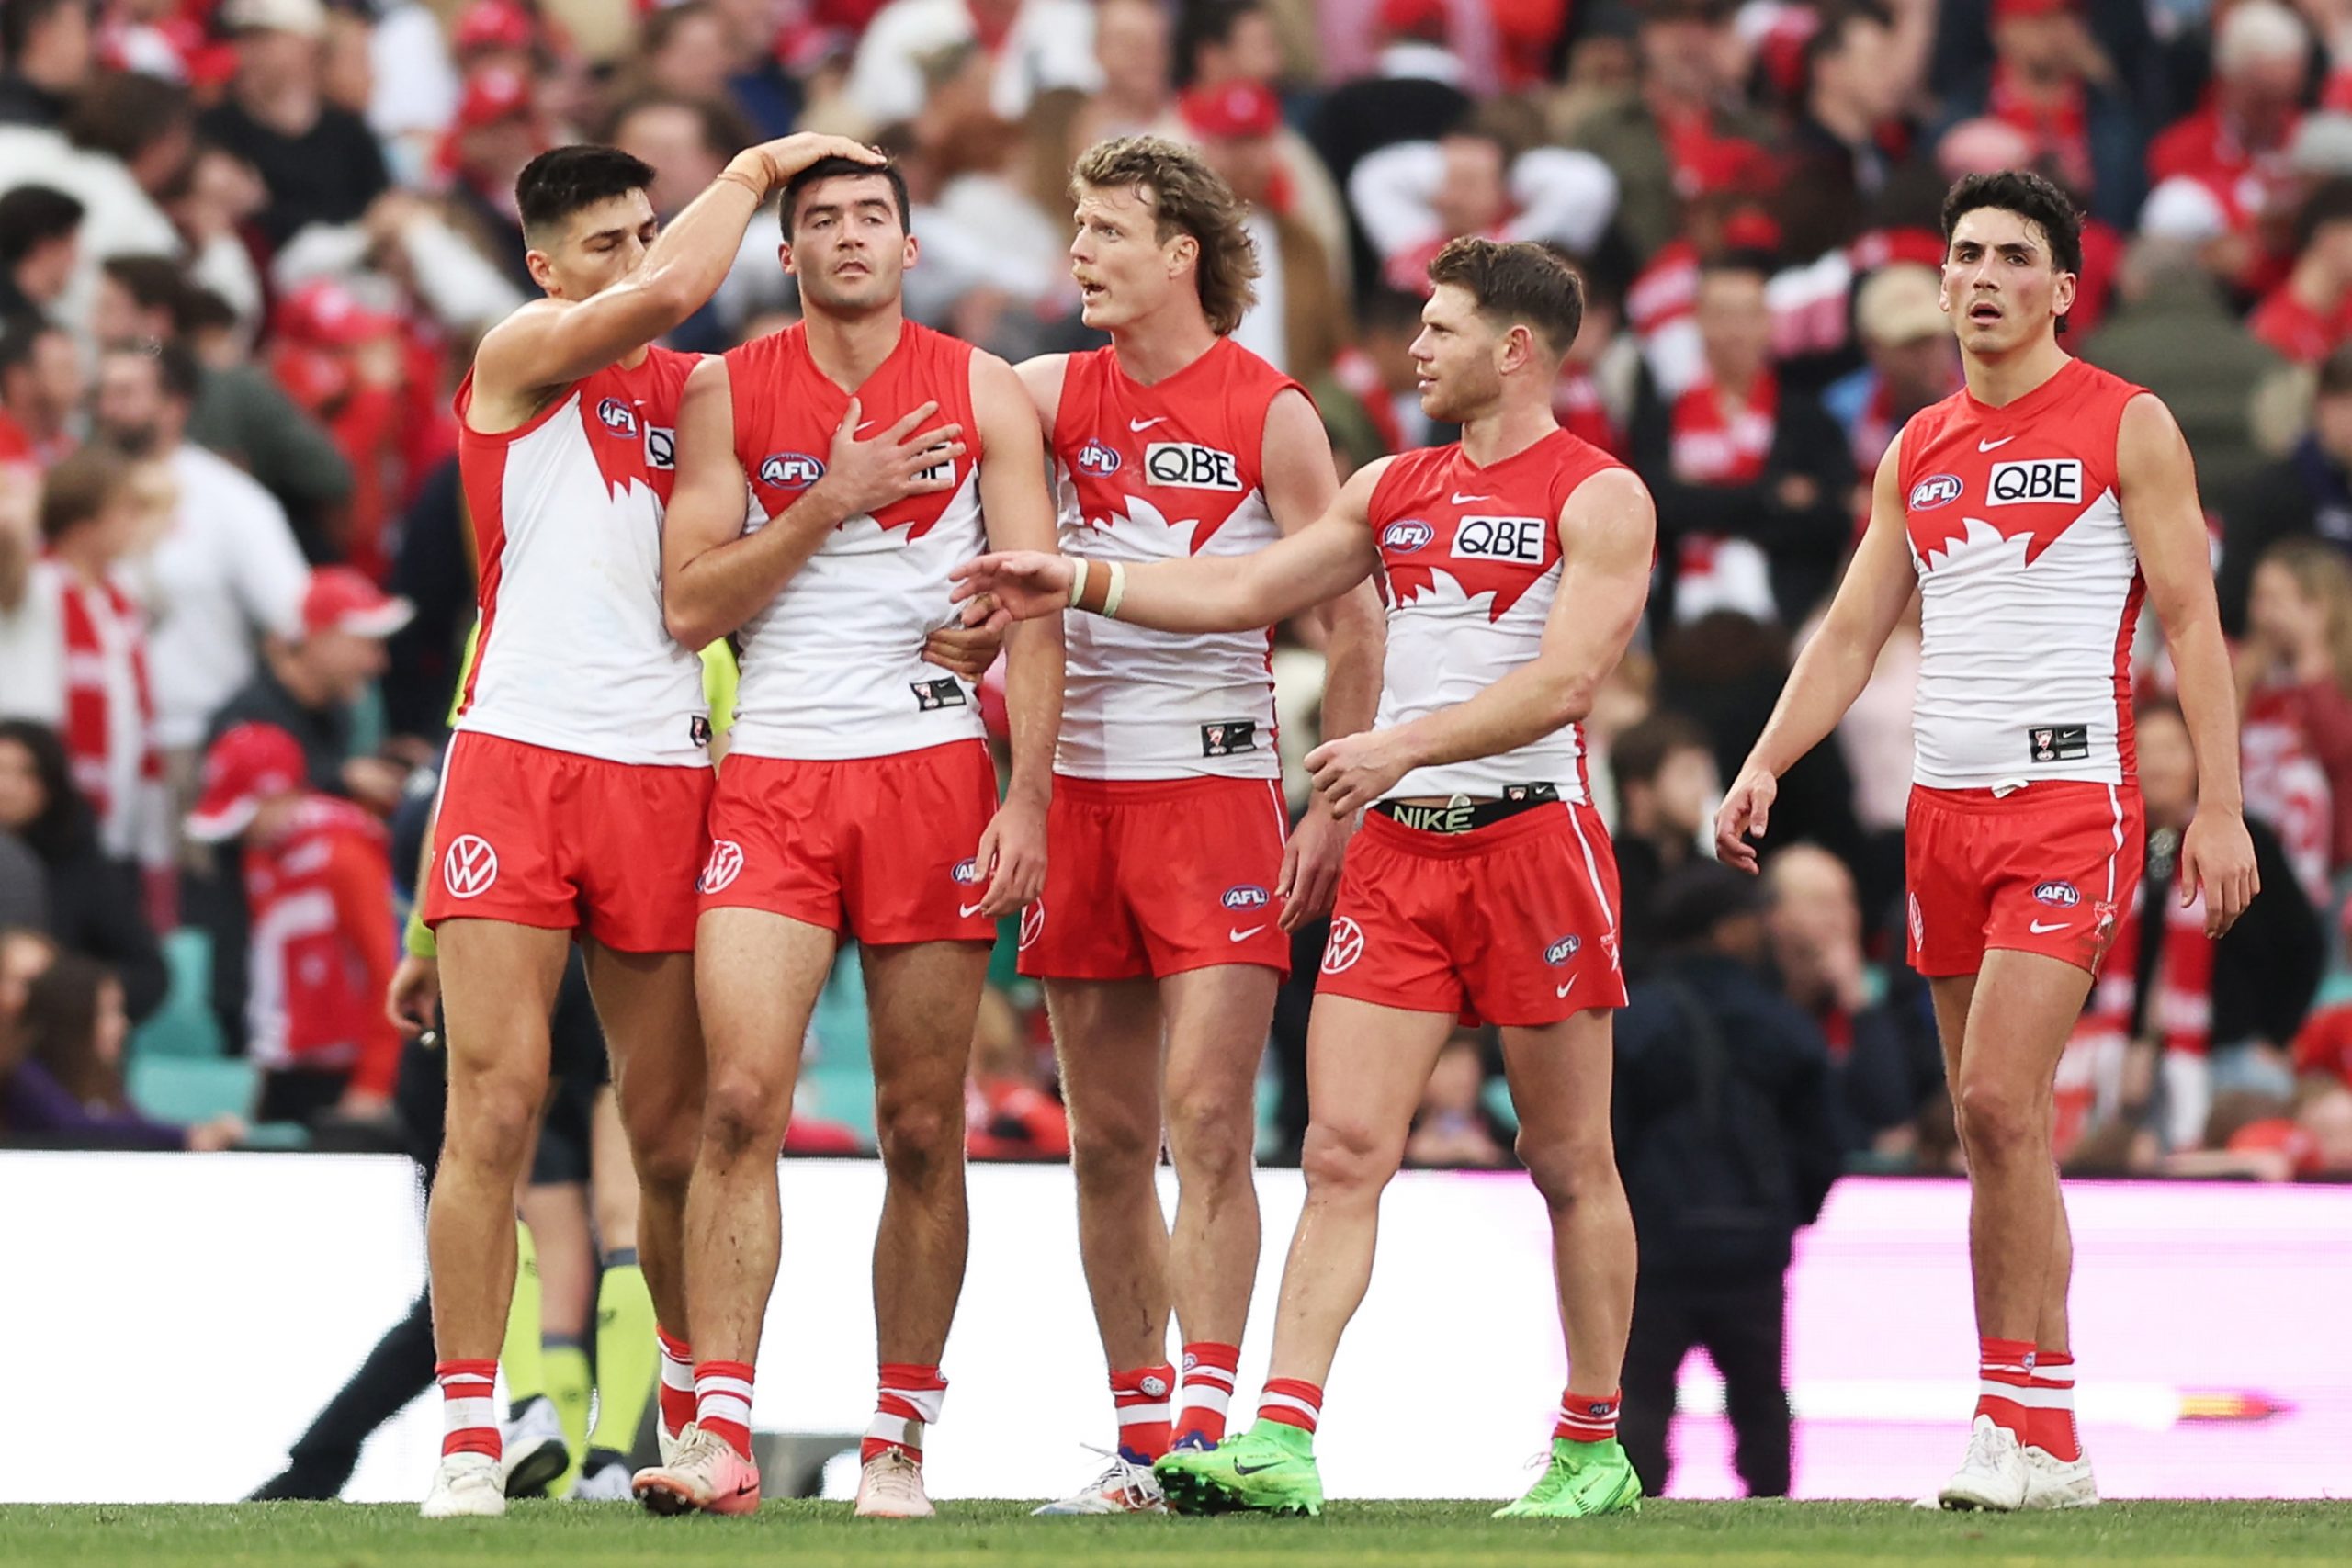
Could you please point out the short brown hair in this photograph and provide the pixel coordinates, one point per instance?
(79, 486)
(1190, 198)
(1521, 281)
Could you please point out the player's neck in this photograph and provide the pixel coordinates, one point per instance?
(1997, 383)
(848, 348)
(635, 356)
(1505, 430)
(1158, 345)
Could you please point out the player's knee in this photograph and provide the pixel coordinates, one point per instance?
(664, 1154)
(1348, 1159)
(1997, 1119)
(1108, 1147)
(1212, 1134)
(1567, 1170)
(742, 1110)
(920, 1137)
(492, 1117)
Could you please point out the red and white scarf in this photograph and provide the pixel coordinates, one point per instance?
(2179, 1013)
(1714, 441)
(90, 738)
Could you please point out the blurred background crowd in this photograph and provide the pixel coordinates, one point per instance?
(246, 246)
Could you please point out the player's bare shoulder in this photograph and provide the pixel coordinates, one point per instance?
(1042, 377)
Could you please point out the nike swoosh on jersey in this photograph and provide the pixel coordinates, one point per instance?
(862, 429)
(1460, 499)
(1562, 991)
(2038, 929)
(1143, 425)
(1988, 445)
(968, 911)
(1245, 934)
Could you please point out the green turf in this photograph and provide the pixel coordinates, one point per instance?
(1351, 1535)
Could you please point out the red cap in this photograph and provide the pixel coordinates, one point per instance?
(1424, 20)
(325, 314)
(340, 598)
(492, 94)
(1723, 163)
(2006, 10)
(492, 24)
(246, 766)
(1234, 110)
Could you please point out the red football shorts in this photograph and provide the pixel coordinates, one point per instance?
(2042, 869)
(879, 849)
(1155, 877)
(1515, 922)
(552, 838)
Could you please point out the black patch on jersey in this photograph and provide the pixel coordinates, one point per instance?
(698, 730)
(1225, 739)
(944, 692)
(2058, 742)
(1535, 794)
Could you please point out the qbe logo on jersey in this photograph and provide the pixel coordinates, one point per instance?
(1190, 466)
(2051, 480)
(1516, 539)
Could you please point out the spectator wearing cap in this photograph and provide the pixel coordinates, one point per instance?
(1409, 199)
(41, 232)
(1299, 319)
(40, 392)
(2306, 495)
(2050, 81)
(318, 877)
(496, 132)
(1911, 361)
(2306, 317)
(1753, 480)
(47, 46)
(1414, 93)
(354, 369)
(2173, 332)
(1723, 1124)
(1034, 46)
(319, 163)
(94, 904)
(1661, 139)
(223, 570)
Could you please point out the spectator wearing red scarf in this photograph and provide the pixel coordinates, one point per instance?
(2052, 81)
(2308, 316)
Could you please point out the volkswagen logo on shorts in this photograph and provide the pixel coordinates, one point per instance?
(1934, 491)
(790, 470)
(967, 871)
(1096, 458)
(1344, 948)
(2062, 893)
(469, 867)
(1406, 537)
(1245, 897)
(1033, 923)
(617, 416)
(1560, 951)
(726, 863)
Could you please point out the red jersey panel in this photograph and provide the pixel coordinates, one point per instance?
(832, 668)
(2029, 586)
(322, 945)
(1472, 557)
(1145, 473)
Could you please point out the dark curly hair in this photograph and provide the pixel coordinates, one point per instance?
(2031, 198)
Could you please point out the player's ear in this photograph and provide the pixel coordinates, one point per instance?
(542, 271)
(1518, 347)
(784, 256)
(2062, 295)
(913, 251)
(1184, 250)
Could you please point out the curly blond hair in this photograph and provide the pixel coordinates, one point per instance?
(1189, 199)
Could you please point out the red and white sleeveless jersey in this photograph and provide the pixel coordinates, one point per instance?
(2029, 585)
(1157, 473)
(567, 515)
(834, 666)
(1473, 560)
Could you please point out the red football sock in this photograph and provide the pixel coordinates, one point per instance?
(677, 1381)
(723, 1401)
(1294, 1401)
(1141, 1394)
(1587, 1418)
(2004, 1371)
(1209, 1369)
(909, 1401)
(468, 1407)
(2050, 1421)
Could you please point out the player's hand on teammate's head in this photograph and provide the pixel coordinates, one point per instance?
(1020, 586)
(2217, 860)
(1013, 852)
(969, 649)
(1743, 817)
(787, 156)
(912, 457)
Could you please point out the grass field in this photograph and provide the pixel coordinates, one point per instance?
(1360, 1535)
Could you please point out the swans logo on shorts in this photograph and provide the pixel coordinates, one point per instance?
(1405, 535)
(617, 417)
(1344, 948)
(1934, 491)
(469, 867)
(967, 872)
(2065, 894)
(726, 863)
(1033, 923)
(1919, 925)
(790, 470)
(1096, 458)
(1560, 951)
(1245, 897)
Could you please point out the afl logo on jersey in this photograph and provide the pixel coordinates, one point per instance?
(1560, 951)
(1934, 491)
(617, 417)
(1191, 465)
(2039, 479)
(790, 470)
(1405, 535)
(1517, 539)
(967, 872)
(1245, 897)
(2062, 894)
(1096, 458)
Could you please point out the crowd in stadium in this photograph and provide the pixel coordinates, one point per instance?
(246, 247)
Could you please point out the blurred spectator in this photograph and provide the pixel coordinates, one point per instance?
(1885, 1062)
(41, 232)
(2173, 332)
(1857, 82)
(687, 141)
(1135, 52)
(320, 161)
(2295, 693)
(2307, 317)
(318, 879)
(1220, 42)
(1722, 1120)
(1875, 743)
(2231, 156)
(40, 391)
(1912, 362)
(2049, 80)
(94, 904)
(1373, 404)
(1009, 1112)
(1454, 1130)
(1753, 480)
(496, 130)
(757, 83)
(1034, 46)
(415, 83)
(46, 45)
(223, 570)
(1600, 376)
(1666, 786)
(67, 1085)
(434, 570)
(23, 888)
(1300, 318)
(2307, 495)
(1414, 95)
(240, 411)
(73, 644)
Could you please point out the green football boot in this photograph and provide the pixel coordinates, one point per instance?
(1270, 1469)
(1584, 1480)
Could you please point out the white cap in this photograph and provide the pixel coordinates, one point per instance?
(304, 18)
(2183, 208)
